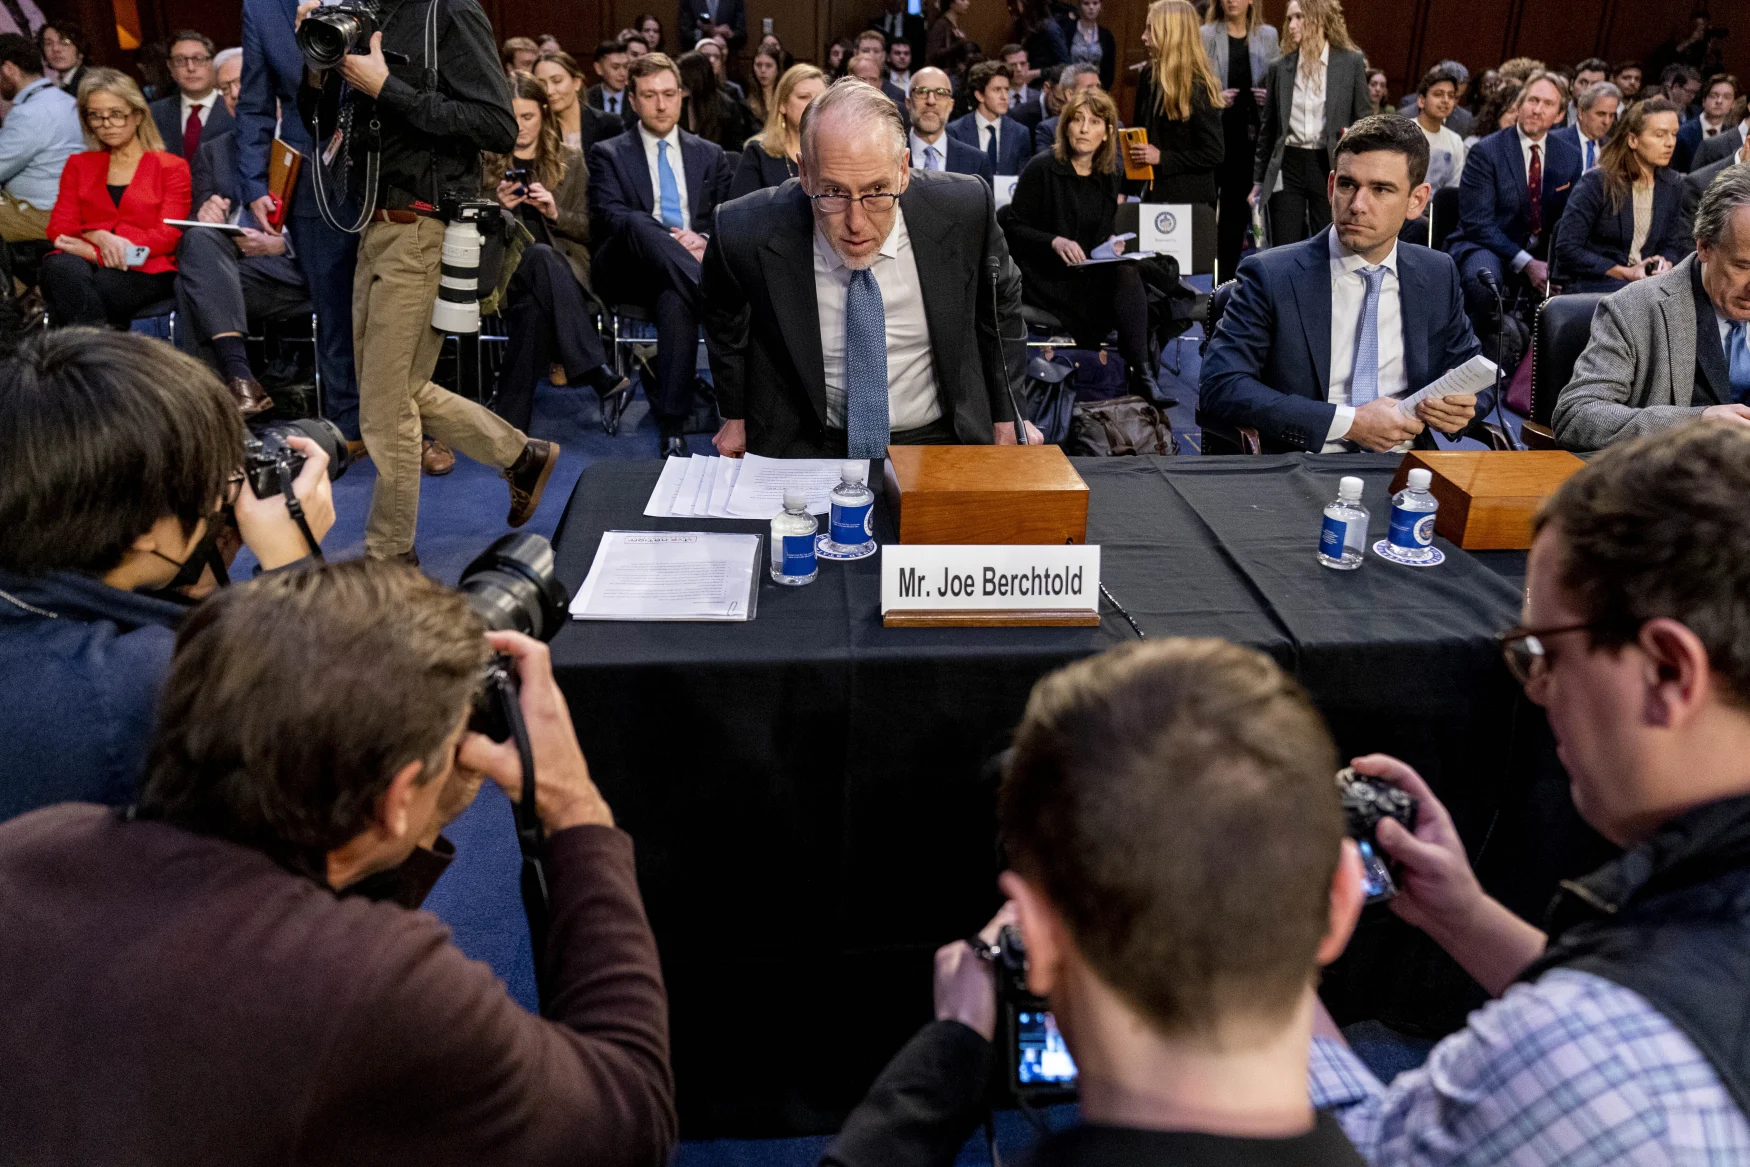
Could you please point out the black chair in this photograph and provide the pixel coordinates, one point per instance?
(1218, 436)
(1564, 325)
(1442, 217)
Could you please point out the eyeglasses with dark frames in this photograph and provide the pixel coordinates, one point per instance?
(932, 91)
(113, 118)
(1522, 648)
(189, 62)
(834, 203)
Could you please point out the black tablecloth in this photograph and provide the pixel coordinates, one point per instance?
(812, 793)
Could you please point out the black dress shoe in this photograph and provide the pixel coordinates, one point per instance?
(673, 446)
(616, 394)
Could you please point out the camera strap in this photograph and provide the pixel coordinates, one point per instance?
(296, 510)
(531, 839)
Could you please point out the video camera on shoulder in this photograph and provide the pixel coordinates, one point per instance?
(335, 30)
(1365, 802)
(1039, 1069)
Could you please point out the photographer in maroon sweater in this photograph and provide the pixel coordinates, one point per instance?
(225, 973)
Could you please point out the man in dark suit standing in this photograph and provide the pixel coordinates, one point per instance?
(1323, 338)
(721, 18)
(195, 108)
(859, 306)
(896, 24)
(608, 94)
(932, 99)
(989, 127)
(653, 192)
(1515, 186)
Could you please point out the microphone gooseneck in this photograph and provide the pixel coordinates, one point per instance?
(994, 266)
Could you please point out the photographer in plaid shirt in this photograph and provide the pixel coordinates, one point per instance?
(1622, 1034)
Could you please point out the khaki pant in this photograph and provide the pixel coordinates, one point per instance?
(396, 349)
(20, 222)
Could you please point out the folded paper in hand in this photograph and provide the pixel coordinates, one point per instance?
(1473, 376)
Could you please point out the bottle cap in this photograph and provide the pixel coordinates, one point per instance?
(1419, 479)
(795, 500)
(1349, 487)
(856, 470)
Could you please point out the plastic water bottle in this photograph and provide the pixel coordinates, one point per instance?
(1411, 535)
(793, 531)
(851, 526)
(1343, 540)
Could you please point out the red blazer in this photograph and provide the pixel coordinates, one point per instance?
(160, 191)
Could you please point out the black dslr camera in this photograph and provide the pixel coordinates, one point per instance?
(269, 462)
(333, 31)
(1365, 802)
(1040, 1070)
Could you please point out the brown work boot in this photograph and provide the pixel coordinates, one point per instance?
(528, 478)
(436, 459)
(250, 397)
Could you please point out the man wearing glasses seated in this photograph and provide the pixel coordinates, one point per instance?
(194, 111)
(930, 103)
(861, 307)
(1617, 1035)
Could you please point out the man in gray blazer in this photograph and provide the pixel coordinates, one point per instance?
(1668, 350)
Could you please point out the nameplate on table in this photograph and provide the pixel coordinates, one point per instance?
(965, 585)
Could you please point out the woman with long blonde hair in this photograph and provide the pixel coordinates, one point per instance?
(1315, 91)
(1179, 103)
(771, 157)
(1241, 47)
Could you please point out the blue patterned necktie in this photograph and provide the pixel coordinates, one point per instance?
(866, 415)
(1364, 384)
(932, 160)
(1738, 357)
(671, 191)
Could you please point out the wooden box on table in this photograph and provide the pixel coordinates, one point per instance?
(985, 494)
(1489, 497)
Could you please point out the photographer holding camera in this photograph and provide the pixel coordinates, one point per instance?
(1179, 873)
(122, 457)
(418, 95)
(203, 983)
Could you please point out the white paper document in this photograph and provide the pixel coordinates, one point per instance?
(1127, 257)
(694, 488)
(761, 483)
(1473, 376)
(1104, 251)
(661, 504)
(671, 575)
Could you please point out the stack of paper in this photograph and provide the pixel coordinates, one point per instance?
(750, 487)
(671, 575)
(1473, 376)
(696, 488)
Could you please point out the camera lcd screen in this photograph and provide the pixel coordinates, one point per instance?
(1376, 880)
(1042, 1058)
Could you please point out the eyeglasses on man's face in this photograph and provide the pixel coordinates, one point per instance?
(837, 203)
(932, 94)
(1523, 648)
(190, 62)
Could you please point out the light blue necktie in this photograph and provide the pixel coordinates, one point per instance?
(866, 416)
(1738, 356)
(671, 191)
(1364, 384)
(932, 160)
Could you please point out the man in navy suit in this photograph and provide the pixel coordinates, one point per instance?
(609, 93)
(1324, 338)
(194, 109)
(653, 195)
(1515, 186)
(273, 71)
(1080, 75)
(932, 99)
(720, 18)
(989, 127)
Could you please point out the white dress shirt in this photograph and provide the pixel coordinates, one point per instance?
(1525, 145)
(1709, 129)
(920, 160)
(205, 105)
(674, 161)
(1348, 294)
(1306, 122)
(985, 130)
(901, 81)
(1596, 145)
(912, 398)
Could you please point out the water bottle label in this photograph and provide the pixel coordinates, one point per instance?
(1411, 530)
(798, 555)
(853, 526)
(1332, 537)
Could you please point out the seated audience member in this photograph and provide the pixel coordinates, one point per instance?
(1184, 988)
(649, 30)
(114, 196)
(1627, 77)
(40, 133)
(709, 112)
(1378, 98)
(1680, 84)
(887, 255)
(1614, 1035)
(548, 43)
(579, 124)
(867, 68)
(1516, 184)
(1646, 367)
(1500, 111)
(653, 193)
(899, 66)
(1069, 78)
(1065, 206)
(518, 54)
(609, 94)
(62, 45)
(1717, 102)
(1624, 221)
(773, 158)
(767, 67)
(713, 50)
(1727, 142)
(133, 450)
(1023, 85)
(271, 996)
(194, 109)
(1179, 103)
(989, 128)
(1596, 108)
(1436, 96)
(636, 46)
(932, 147)
(1380, 318)
(1592, 71)
(223, 281)
(1460, 119)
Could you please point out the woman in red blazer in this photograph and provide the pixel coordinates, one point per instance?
(113, 202)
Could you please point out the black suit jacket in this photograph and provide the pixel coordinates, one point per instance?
(598, 126)
(1594, 237)
(1695, 184)
(730, 12)
(763, 329)
(621, 197)
(596, 101)
(1722, 145)
(213, 171)
(915, 33)
(167, 115)
(959, 158)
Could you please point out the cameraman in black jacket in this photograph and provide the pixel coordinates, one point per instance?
(427, 118)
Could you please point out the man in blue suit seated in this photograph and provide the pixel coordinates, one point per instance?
(1516, 185)
(653, 193)
(1322, 339)
(989, 127)
(930, 103)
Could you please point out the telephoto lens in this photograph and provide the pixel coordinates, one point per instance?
(514, 588)
(330, 33)
(265, 450)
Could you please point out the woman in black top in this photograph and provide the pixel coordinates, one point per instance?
(772, 158)
(708, 111)
(1240, 47)
(1065, 205)
(1178, 100)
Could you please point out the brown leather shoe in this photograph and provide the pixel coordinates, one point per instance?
(250, 397)
(356, 451)
(436, 459)
(528, 478)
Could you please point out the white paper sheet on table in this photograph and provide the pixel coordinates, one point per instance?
(728, 470)
(1473, 376)
(694, 488)
(661, 504)
(761, 482)
(671, 575)
(683, 502)
(702, 500)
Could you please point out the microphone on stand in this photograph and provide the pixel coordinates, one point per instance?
(994, 266)
(1487, 278)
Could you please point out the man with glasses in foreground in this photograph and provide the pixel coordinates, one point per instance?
(860, 307)
(1617, 1035)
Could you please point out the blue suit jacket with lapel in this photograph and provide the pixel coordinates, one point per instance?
(167, 113)
(620, 195)
(1269, 364)
(1494, 196)
(273, 71)
(959, 158)
(1014, 144)
(1592, 237)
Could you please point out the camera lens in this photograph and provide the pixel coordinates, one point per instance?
(319, 430)
(514, 588)
(325, 37)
